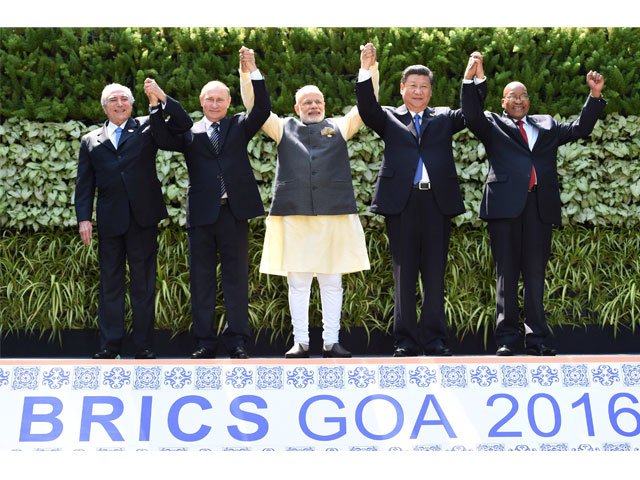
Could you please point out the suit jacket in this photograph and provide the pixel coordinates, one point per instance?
(506, 187)
(403, 147)
(126, 178)
(232, 163)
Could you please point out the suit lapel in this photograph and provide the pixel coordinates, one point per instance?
(541, 130)
(225, 123)
(103, 137)
(200, 130)
(404, 115)
(509, 125)
(427, 116)
(128, 132)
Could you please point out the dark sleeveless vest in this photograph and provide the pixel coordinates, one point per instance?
(313, 174)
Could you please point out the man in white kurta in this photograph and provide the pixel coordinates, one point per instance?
(313, 228)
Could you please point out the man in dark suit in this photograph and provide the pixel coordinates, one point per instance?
(418, 193)
(521, 200)
(119, 160)
(222, 196)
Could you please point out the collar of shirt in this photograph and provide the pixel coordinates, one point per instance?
(413, 114)
(532, 132)
(111, 128)
(208, 123)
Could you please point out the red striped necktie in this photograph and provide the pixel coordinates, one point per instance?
(532, 180)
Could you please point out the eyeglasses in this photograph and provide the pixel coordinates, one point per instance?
(522, 97)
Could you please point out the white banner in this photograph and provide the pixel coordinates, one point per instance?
(378, 404)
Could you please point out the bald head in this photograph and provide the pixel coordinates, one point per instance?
(511, 86)
(515, 100)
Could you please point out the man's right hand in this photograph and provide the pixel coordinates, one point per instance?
(474, 67)
(367, 56)
(86, 229)
(154, 92)
(247, 60)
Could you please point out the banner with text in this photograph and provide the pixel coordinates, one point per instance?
(472, 403)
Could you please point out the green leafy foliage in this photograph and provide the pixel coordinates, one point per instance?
(38, 162)
(49, 282)
(57, 74)
(51, 83)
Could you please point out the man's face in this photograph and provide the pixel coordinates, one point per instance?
(416, 92)
(118, 107)
(215, 102)
(515, 100)
(310, 108)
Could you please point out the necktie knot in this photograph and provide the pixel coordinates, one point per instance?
(523, 132)
(417, 120)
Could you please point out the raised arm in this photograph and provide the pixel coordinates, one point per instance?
(257, 116)
(591, 111)
(473, 95)
(168, 134)
(366, 91)
(352, 121)
(273, 126)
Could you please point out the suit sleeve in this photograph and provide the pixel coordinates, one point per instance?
(261, 108)
(370, 110)
(179, 120)
(584, 124)
(171, 134)
(85, 184)
(472, 100)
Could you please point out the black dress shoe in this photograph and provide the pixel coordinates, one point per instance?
(105, 354)
(439, 351)
(541, 350)
(145, 354)
(336, 351)
(405, 352)
(203, 352)
(504, 351)
(297, 351)
(238, 352)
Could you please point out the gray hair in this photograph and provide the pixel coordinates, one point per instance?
(112, 87)
(307, 89)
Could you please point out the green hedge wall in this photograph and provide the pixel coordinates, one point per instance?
(49, 97)
(57, 74)
(38, 164)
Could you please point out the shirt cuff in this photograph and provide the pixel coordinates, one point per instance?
(364, 75)
(256, 75)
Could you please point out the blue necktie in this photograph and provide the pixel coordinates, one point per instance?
(418, 176)
(118, 133)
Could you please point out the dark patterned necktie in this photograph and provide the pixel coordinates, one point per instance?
(215, 141)
(215, 137)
